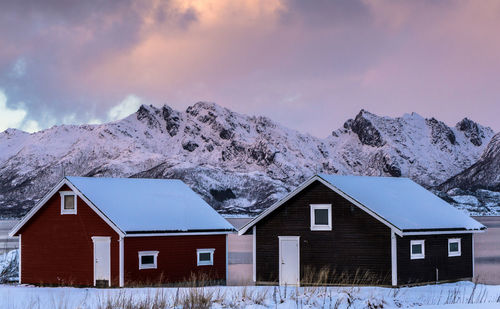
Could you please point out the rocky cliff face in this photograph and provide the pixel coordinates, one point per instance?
(426, 150)
(484, 174)
(238, 163)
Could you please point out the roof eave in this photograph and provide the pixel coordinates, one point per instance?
(180, 231)
(443, 231)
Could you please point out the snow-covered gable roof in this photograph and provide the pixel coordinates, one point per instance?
(399, 203)
(403, 203)
(150, 205)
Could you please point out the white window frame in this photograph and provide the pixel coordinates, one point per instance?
(68, 211)
(453, 240)
(416, 256)
(148, 266)
(321, 227)
(205, 263)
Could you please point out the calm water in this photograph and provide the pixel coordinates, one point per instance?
(487, 251)
(6, 243)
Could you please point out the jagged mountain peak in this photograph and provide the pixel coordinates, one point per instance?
(364, 127)
(218, 150)
(473, 131)
(207, 106)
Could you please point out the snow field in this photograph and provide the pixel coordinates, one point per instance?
(464, 295)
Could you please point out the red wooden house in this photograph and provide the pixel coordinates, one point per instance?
(121, 231)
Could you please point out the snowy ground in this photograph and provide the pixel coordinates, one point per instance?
(464, 295)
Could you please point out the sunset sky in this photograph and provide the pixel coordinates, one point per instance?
(309, 65)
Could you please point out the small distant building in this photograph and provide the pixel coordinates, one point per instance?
(366, 230)
(121, 231)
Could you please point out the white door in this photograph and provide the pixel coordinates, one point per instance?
(289, 260)
(102, 260)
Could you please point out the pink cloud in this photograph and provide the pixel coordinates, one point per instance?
(332, 57)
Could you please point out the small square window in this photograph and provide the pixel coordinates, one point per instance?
(205, 257)
(68, 203)
(148, 259)
(454, 247)
(321, 217)
(417, 249)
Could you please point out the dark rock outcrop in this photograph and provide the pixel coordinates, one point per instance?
(471, 131)
(484, 174)
(366, 131)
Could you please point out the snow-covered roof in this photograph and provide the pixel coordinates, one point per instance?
(403, 203)
(150, 205)
(399, 203)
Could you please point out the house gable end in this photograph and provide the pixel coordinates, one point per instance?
(246, 229)
(63, 185)
(58, 248)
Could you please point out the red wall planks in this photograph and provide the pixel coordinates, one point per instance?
(176, 258)
(58, 249)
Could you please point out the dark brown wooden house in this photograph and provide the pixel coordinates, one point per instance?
(359, 229)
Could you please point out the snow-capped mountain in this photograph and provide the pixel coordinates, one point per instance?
(484, 174)
(477, 188)
(238, 163)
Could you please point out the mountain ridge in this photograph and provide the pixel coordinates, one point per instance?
(238, 163)
(484, 174)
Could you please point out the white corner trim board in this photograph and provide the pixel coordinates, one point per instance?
(394, 259)
(473, 258)
(122, 262)
(20, 258)
(227, 258)
(254, 254)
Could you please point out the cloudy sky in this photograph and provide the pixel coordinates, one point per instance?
(307, 64)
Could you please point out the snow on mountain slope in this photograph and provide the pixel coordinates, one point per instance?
(474, 188)
(238, 163)
(426, 150)
(484, 174)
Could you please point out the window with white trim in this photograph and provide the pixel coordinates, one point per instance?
(205, 257)
(454, 247)
(417, 249)
(148, 259)
(321, 217)
(68, 202)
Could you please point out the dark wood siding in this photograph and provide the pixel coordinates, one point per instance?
(58, 249)
(436, 256)
(358, 243)
(176, 258)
